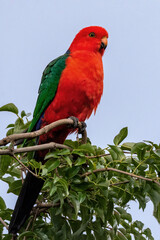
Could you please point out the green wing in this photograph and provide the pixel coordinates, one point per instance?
(48, 87)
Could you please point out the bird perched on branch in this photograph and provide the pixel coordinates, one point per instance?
(71, 85)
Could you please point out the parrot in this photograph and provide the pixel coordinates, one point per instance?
(71, 85)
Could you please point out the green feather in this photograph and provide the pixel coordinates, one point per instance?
(48, 87)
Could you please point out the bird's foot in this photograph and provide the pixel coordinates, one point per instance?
(82, 128)
(76, 125)
(75, 122)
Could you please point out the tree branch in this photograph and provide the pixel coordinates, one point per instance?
(41, 131)
(3, 222)
(46, 205)
(51, 145)
(122, 172)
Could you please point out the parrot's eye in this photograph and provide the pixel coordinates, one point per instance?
(92, 34)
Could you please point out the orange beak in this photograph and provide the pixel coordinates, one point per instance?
(104, 42)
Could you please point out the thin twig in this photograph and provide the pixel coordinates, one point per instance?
(29, 223)
(25, 166)
(39, 132)
(46, 205)
(98, 156)
(118, 183)
(34, 218)
(42, 207)
(40, 210)
(22, 176)
(3, 222)
(120, 171)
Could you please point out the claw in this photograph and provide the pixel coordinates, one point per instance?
(75, 125)
(75, 122)
(82, 128)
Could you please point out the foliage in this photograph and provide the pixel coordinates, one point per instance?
(87, 207)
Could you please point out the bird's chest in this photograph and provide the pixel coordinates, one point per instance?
(83, 79)
(79, 90)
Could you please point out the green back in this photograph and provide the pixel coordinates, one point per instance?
(48, 87)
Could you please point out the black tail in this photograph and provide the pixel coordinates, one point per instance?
(27, 198)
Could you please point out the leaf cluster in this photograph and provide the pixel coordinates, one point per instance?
(93, 206)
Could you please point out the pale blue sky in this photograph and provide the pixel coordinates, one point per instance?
(35, 32)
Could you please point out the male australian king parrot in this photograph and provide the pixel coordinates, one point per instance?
(71, 85)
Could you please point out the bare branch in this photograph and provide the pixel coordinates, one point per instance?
(46, 205)
(51, 145)
(39, 132)
(122, 172)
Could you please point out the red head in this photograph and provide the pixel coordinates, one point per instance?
(92, 38)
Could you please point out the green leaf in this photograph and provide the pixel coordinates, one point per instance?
(10, 125)
(87, 148)
(2, 204)
(156, 212)
(64, 152)
(23, 114)
(139, 146)
(61, 197)
(138, 224)
(15, 187)
(81, 197)
(44, 171)
(53, 154)
(126, 216)
(5, 161)
(19, 125)
(27, 234)
(10, 132)
(154, 196)
(121, 210)
(10, 107)
(148, 233)
(28, 115)
(75, 202)
(78, 152)
(68, 160)
(64, 184)
(42, 235)
(118, 151)
(70, 143)
(8, 180)
(127, 146)
(100, 213)
(53, 190)
(72, 171)
(15, 172)
(34, 163)
(121, 236)
(51, 164)
(7, 237)
(76, 235)
(80, 161)
(121, 136)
